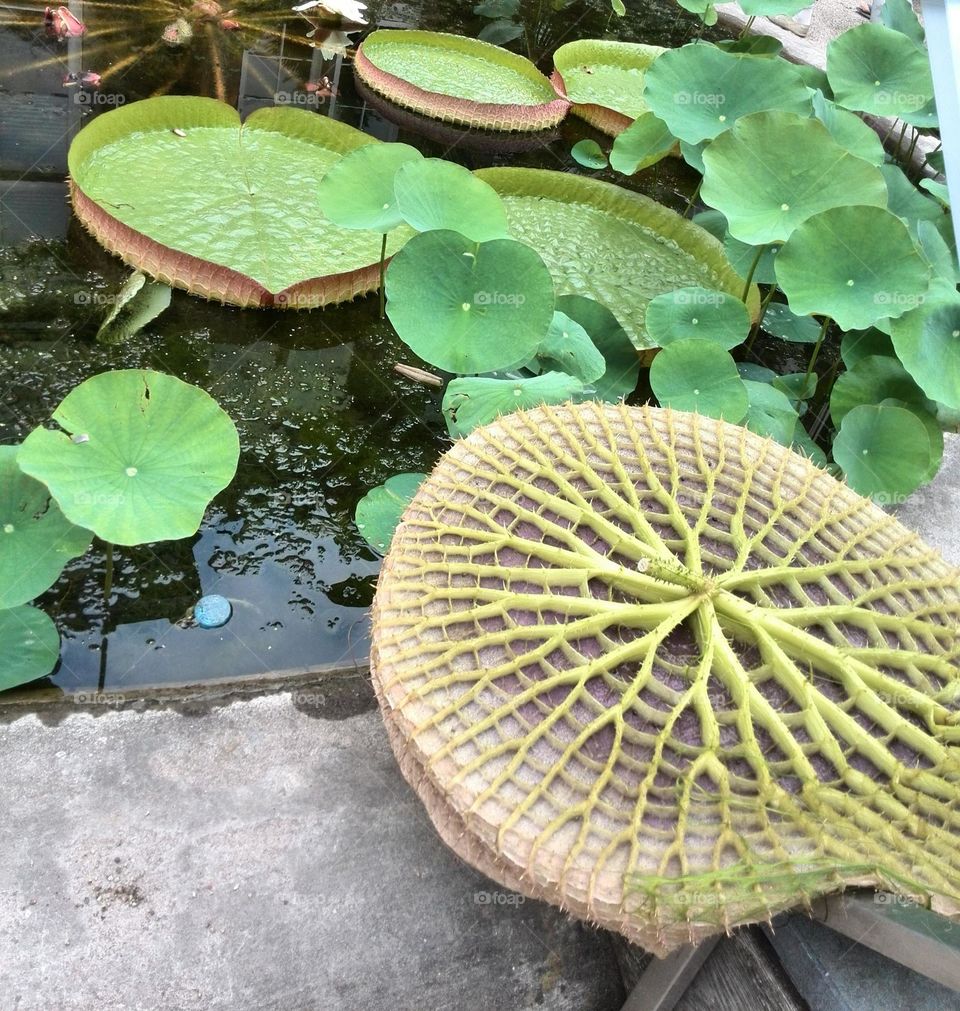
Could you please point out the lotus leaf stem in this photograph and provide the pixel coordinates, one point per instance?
(753, 269)
(383, 292)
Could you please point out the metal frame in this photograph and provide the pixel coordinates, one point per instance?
(901, 930)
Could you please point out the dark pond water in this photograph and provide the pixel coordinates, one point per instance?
(321, 414)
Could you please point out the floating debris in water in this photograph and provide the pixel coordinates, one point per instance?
(61, 24)
(80, 437)
(179, 133)
(212, 611)
(178, 33)
(85, 78)
(349, 10)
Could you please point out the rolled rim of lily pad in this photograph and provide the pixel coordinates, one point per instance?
(565, 217)
(181, 269)
(452, 134)
(628, 58)
(426, 90)
(670, 675)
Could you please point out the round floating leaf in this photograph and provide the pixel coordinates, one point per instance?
(435, 194)
(764, 8)
(937, 252)
(781, 322)
(858, 344)
(177, 188)
(704, 9)
(589, 154)
(469, 307)
(927, 341)
(857, 265)
(567, 347)
(357, 192)
(700, 91)
(29, 645)
(459, 80)
(698, 312)
(884, 451)
(604, 80)
(140, 456)
(934, 434)
(469, 403)
(645, 142)
(905, 200)
(796, 386)
(752, 45)
(869, 381)
(698, 375)
(379, 511)
(622, 369)
(770, 412)
(874, 69)
(849, 130)
(610, 244)
(901, 17)
(611, 643)
(755, 373)
(36, 539)
(774, 170)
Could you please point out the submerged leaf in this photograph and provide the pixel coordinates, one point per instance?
(379, 511)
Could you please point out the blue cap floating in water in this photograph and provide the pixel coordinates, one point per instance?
(212, 611)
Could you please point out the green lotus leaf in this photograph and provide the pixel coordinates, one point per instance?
(752, 45)
(589, 154)
(884, 451)
(938, 189)
(622, 366)
(700, 91)
(698, 312)
(139, 457)
(459, 80)
(29, 645)
(500, 32)
(934, 434)
(924, 118)
(704, 9)
(755, 373)
(857, 265)
(471, 402)
(874, 69)
(900, 16)
(740, 254)
(927, 342)
(905, 200)
(567, 347)
(669, 657)
(497, 8)
(693, 154)
(849, 130)
(797, 385)
(358, 191)
(610, 244)
(937, 252)
(698, 375)
(795, 170)
(228, 212)
(136, 304)
(803, 444)
(645, 142)
(781, 322)
(604, 80)
(469, 307)
(436, 194)
(36, 538)
(379, 511)
(770, 412)
(870, 380)
(855, 345)
(764, 8)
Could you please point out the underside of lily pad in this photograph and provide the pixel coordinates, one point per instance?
(604, 80)
(177, 188)
(669, 675)
(612, 244)
(459, 80)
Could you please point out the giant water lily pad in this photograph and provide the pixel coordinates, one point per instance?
(604, 80)
(138, 457)
(459, 80)
(611, 244)
(700, 91)
(29, 645)
(177, 188)
(669, 675)
(773, 170)
(36, 539)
